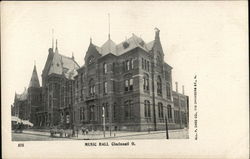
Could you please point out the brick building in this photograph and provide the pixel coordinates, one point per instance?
(57, 89)
(127, 86)
(129, 82)
(28, 103)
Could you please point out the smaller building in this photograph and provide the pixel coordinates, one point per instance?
(20, 106)
(181, 108)
(29, 102)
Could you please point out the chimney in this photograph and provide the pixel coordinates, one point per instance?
(176, 86)
(183, 91)
(157, 33)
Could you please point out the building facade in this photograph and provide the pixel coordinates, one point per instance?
(125, 86)
(57, 90)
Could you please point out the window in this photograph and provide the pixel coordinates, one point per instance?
(105, 68)
(126, 85)
(91, 87)
(160, 110)
(82, 116)
(176, 116)
(159, 86)
(113, 68)
(169, 109)
(105, 88)
(168, 91)
(81, 96)
(106, 108)
(146, 82)
(142, 63)
(90, 59)
(127, 65)
(147, 111)
(128, 109)
(92, 113)
(129, 84)
(158, 60)
(125, 44)
(176, 102)
(132, 63)
(182, 103)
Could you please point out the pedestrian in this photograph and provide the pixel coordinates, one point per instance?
(87, 131)
(77, 132)
(83, 130)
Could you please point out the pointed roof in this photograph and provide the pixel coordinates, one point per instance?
(108, 47)
(117, 49)
(34, 81)
(62, 65)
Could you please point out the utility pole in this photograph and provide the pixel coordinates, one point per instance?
(103, 115)
(166, 122)
(110, 120)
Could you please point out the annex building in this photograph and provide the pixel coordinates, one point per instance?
(124, 86)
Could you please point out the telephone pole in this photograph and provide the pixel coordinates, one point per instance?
(103, 115)
(166, 122)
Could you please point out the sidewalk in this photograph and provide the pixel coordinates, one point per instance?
(98, 135)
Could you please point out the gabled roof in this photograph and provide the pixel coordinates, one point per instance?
(108, 47)
(63, 65)
(34, 81)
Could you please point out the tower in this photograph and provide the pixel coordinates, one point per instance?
(34, 97)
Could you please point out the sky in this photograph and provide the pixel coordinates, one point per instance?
(205, 38)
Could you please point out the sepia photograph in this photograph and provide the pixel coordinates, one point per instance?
(140, 79)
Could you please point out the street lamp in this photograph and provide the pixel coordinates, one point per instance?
(103, 115)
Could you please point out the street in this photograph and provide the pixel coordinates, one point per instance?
(32, 135)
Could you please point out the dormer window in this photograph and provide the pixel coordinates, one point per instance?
(142, 43)
(125, 44)
(90, 59)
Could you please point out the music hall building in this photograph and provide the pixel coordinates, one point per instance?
(124, 86)
(127, 86)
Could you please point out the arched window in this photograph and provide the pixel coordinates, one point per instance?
(158, 60)
(169, 109)
(128, 106)
(160, 110)
(105, 68)
(131, 84)
(105, 87)
(92, 113)
(127, 65)
(147, 111)
(90, 59)
(128, 82)
(168, 89)
(114, 112)
(132, 63)
(146, 82)
(91, 87)
(126, 85)
(159, 86)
